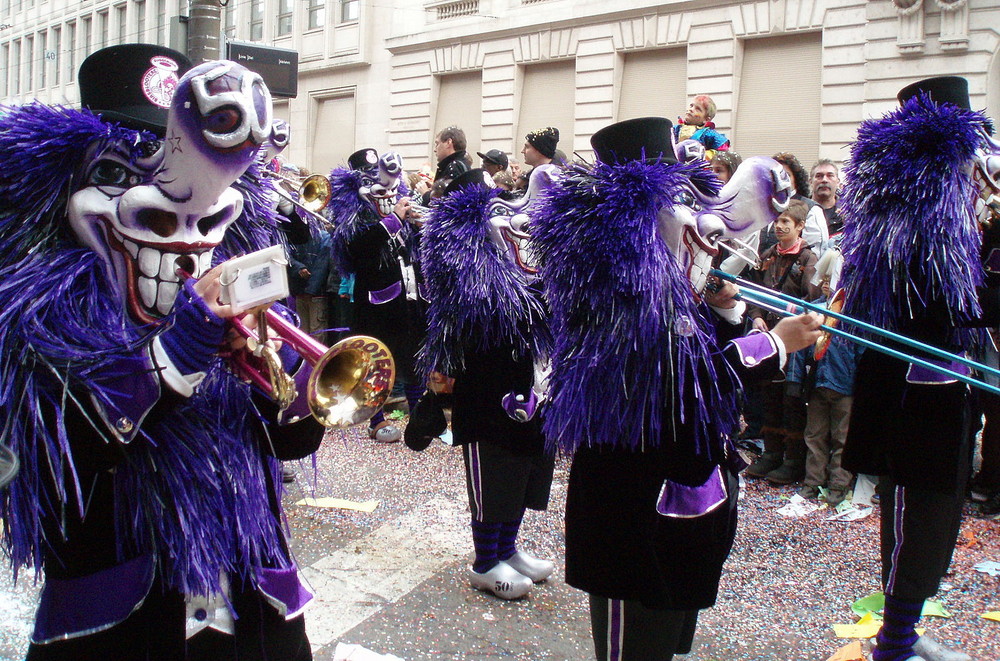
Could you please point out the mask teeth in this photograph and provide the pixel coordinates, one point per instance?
(157, 280)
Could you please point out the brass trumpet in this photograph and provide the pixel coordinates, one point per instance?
(314, 193)
(350, 381)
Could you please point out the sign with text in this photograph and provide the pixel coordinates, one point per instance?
(277, 66)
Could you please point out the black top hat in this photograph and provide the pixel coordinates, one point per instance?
(477, 177)
(643, 138)
(544, 140)
(132, 84)
(363, 159)
(942, 89)
(496, 157)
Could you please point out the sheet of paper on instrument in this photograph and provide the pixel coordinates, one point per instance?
(340, 503)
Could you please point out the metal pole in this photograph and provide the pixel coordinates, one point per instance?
(204, 29)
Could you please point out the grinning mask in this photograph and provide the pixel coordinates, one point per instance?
(154, 207)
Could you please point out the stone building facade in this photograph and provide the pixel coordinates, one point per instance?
(787, 75)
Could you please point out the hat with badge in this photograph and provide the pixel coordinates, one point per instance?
(363, 159)
(132, 84)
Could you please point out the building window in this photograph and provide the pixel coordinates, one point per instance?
(102, 29)
(140, 20)
(349, 10)
(256, 20)
(4, 61)
(15, 50)
(317, 13)
(56, 53)
(17, 7)
(122, 24)
(284, 17)
(4, 10)
(161, 22)
(229, 20)
(29, 60)
(71, 51)
(43, 59)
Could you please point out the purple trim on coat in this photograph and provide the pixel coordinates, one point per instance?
(130, 387)
(381, 296)
(754, 348)
(518, 408)
(919, 374)
(80, 606)
(992, 263)
(680, 501)
(285, 590)
(392, 224)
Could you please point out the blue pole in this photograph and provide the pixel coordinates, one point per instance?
(803, 305)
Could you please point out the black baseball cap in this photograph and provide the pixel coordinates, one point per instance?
(496, 157)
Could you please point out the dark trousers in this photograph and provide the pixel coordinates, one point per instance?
(919, 531)
(628, 631)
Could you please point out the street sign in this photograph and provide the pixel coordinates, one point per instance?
(277, 66)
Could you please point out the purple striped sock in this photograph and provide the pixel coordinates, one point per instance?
(484, 539)
(897, 636)
(507, 546)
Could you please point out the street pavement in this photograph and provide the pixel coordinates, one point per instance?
(393, 579)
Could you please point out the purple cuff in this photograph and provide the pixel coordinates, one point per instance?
(392, 224)
(193, 338)
(285, 591)
(79, 606)
(381, 296)
(918, 374)
(754, 348)
(125, 392)
(680, 501)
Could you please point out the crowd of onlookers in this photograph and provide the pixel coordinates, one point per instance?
(800, 421)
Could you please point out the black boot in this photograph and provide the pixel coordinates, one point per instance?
(793, 469)
(765, 463)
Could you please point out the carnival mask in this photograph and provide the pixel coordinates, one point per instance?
(380, 183)
(696, 222)
(986, 176)
(153, 208)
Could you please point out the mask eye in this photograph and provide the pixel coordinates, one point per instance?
(686, 199)
(223, 120)
(113, 174)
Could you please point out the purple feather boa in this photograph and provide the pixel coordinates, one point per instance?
(62, 327)
(478, 300)
(622, 375)
(910, 230)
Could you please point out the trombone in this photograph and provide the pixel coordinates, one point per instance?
(314, 193)
(789, 305)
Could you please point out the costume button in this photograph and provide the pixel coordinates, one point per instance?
(750, 360)
(124, 425)
(200, 614)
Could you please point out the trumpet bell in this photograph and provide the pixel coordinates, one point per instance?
(351, 381)
(315, 192)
